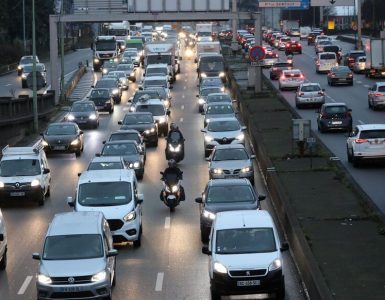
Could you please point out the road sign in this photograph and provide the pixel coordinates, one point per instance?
(40, 81)
(279, 3)
(305, 4)
(257, 53)
(332, 2)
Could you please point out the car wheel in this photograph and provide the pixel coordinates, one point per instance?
(214, 294)
(349, 154)
(48, 193)
(172, 209)
(355, 161)
(300, 52)
(134, 80)
(204, 238)
(113, 283)
(351, 83)
(155, 144)
(3, 263)
(138, 242)
(23, 85)
(41, 200)
(140, 175)
(280, 295)
(78, 152)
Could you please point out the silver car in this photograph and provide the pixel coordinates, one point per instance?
(218, 110)
(231, 161)
(78, 259)
(217, 97)
(376, 96)
(309, 94)
(222, 131)
(359, 64)
(291, 79)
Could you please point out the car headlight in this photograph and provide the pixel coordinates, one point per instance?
(174, 188)
(115, 91)
(75, 142)
(1, 184)
(166, 103)
(105, 71)
(134, 165)
(162, 120)
(217, 171)
(132, 108)
(132, 74)
(201, 101)
(92, 117)
(241, 137)
(45, 143)
(96, 60)
(207, 120)
(151, 130)
(219, 268)
(24, 76)
(203, 75)
(116, 59)
(209, 138)
(44, 279)
(174, 149)
(245, 170)
(70, 117)
(208, 214)
(222, 74)
(275, 265)
(99, 276)
(35, 182)
(130, 216)
(19, 67)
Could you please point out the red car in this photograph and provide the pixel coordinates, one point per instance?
(292, 47)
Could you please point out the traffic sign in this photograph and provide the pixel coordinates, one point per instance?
(257, 53)
(332, 2)
(304, 6)
(279, 3)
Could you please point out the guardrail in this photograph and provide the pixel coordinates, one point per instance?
(5, 69)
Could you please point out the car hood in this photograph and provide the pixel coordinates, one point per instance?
(139, 127)
(224, 134)
(247, 261)
(230, 164)
(60, 138)
(20, 179)
(218, 207)
(213, 116)
(110, 212)
(129, 158)
(71, 268)
(81, 113)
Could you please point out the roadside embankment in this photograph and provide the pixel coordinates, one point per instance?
(335, 233)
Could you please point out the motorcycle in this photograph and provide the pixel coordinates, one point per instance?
(175, 147)
(171, 194)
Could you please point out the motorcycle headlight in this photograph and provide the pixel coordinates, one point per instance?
(96, 60)
(44, 279)
(75, 142)
(162, 120)
(174, 188)
(70, 117)
(222, 74)
(35, 182)
(92, 117)
(174, 149)
(99, 276)
(201, 101)
(245, 170)
(129, 217)
(217, 171)
(208, 214)
(203, 75)
(45, 144)
(116, 59)
(220, 268)
(115, 91)
(241, 137)
(275, 265)
(209, 138)
(134, 165)
(132, 74)
(24, 76)
(1, 184)
(105, 71)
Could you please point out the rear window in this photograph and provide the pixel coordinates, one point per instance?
(381, 88)
(328, 56)
(356, 54)
(310, 88)
(335, 109)
(372, 134)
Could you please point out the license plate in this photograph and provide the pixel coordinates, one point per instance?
(71, 289)
(17, 194)
(248, 282)
(82, 121)
(337, 123)
(59, 148)
(231, 176)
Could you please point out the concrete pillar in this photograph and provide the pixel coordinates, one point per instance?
(53, 55)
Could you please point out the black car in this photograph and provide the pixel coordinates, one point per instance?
(63, 137)
(334, 116)
(340, 75)
(103, 99)
(83, 113)
(131, 135)
(223, 195)
(144, 123)
(129, 151)
(113, 85)
(277, 68)
(143, 94)
(350, 57)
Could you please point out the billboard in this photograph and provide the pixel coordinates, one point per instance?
(330, 2)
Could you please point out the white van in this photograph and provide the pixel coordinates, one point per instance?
(115, 194)
(3, 243)
(325, 61)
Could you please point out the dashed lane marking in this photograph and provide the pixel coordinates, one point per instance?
(167, 221)
(359, 82)
(183, 96)
(361, 122)
(25, 285)
(181, 120)
(159, 282)
(182, 107)
(366, 85)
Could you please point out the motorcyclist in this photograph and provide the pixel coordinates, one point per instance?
(174, 170)
(175, 135)
(174, 128)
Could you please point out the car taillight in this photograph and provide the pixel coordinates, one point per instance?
(351, 59)
(275, 55)
(324, 116)
(301, 76)
(378, 94)
(332, 74)
(283, 77)
(361, 141)
(301, 94)
(275, 69)
(287, 46)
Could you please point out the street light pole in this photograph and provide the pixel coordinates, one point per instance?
(359, 26)
(24, 41)
(34, 88)
(62, 96)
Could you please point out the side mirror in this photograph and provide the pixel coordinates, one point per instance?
(168, 112)
(81, 132)
(79, 174)
(36, 256)
(252, 156)
(349, 110)
(199, 200)
(70, 202)
(120, 122)
(46, 171)
(103, 142)
(204, 130)
(284, 246)
(140, 88)
(41, 133)
(205, 250)
(261, 197)
(112, 252)
(140, 198)
(208, 158)
(197, 96)
(1, 237)
(92, 86)
(98, 154)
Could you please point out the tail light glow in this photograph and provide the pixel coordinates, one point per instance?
(360, 141)
(376, 94)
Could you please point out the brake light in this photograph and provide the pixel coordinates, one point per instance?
(301, 94)
(376, 94)
(361, 141)
(301, 76)
(283, 77)
(350, 59)
(275, 69)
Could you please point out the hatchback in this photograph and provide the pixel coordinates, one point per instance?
(376, 96)
(291, 79)
(334, 116)
(309, 94)
(359, 64)
(340, 75)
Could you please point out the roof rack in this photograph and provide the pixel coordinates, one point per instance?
(32, 150)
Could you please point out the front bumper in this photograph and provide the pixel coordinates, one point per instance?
(62, 148)
(124, 231)
(9, 192)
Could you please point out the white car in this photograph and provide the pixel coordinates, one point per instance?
(309, 94)
(366, 142)
(359, 64)
(325, 61)
(290, 79)
(245, 255)
(25, 60)
(3, 243)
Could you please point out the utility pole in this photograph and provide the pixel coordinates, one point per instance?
(359, 26)
(24, 41)
(34, 84)
(62, 96)
(234, 44)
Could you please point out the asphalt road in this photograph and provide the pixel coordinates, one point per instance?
(169, 264)
(369, 177)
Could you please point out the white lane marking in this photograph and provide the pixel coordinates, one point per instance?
(185, 80)
(183, 96)
(167, 222)
(359, 82)
(184, 87)
(126, 108)
(361, 122)
(181, 120)
(159, 282)
(182, 107)
(366, 85)
(331, 99)
(25, 285)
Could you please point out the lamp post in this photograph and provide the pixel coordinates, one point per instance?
(62, 96)
(359, 26)
(24, 41)
(34, 83)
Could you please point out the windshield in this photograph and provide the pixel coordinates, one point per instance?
(219, 109)
(218, 126)
(105, 45)
(335, 109)
(29, 68)
(230, 154)
(205, 92)
(82, 107)
(20, 167)
(27, 60)
(156, 110)
(159, 59)
(104, 193)
(137, 119)
(155, 82)
(157, 71)
(211, 64)
(341, 69)
(61, 129)
(161, 92)
(372, 134)
(211, 82)
(175, 136)
(245, 240)
(100, 94)
(311, 88)
(230, 194)
(74, 246)
(119, 149)
(132, 136)
(105, 84)
(105, 165)
(145, 95)
(218, 98)
(125, 67)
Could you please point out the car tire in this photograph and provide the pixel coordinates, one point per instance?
(41, 200)
(48, 193)
(356, 162)
(3, 262)
(140, 175)
(111, 111)
(78, 152)
(214, 294)
(23, 84)
(155, 144)
(204, 238)
(172, 209)
(280, 295)
(134, 80)
(349, 155)
(300, 52)
(138, 242)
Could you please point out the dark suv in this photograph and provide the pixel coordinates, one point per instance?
(334, 116)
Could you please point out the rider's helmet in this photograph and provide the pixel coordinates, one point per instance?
(173, 126)
(172, 163)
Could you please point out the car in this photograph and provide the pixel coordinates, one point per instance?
(283, 41)
(143, 122)
(304, 32)
(83, 113)
(109, 66)
(277, 68)
(211, 82)
(350, 57)
(82, 242)
(270, 59)
(290, 79)
(321, 45)
(158, 110)
(115, 193)
(293, 47)
(25, 173)
(63, 137)
(28, 68)
(223, 195)
(366, 142)
(340, 75)
(130, 151)
(222, 131)
(129, 69)
(158, 81)
(320, 38)
(103, 99)
(218, 110)
(113, 85)
(245, 255)
(376, 96)
(217, 97)
(294, 32)
(204, 92)
(25, 60)
(106, 163)
(334, 116)
(157, 70)
(311, 37)
(334, 48)
(141, 95)
(164, 94)
(231, 161)
(359, 64)
(122, 77)
(131, 135)
(309, 94)
(131, 55)
(325, 61)
(3, 243)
